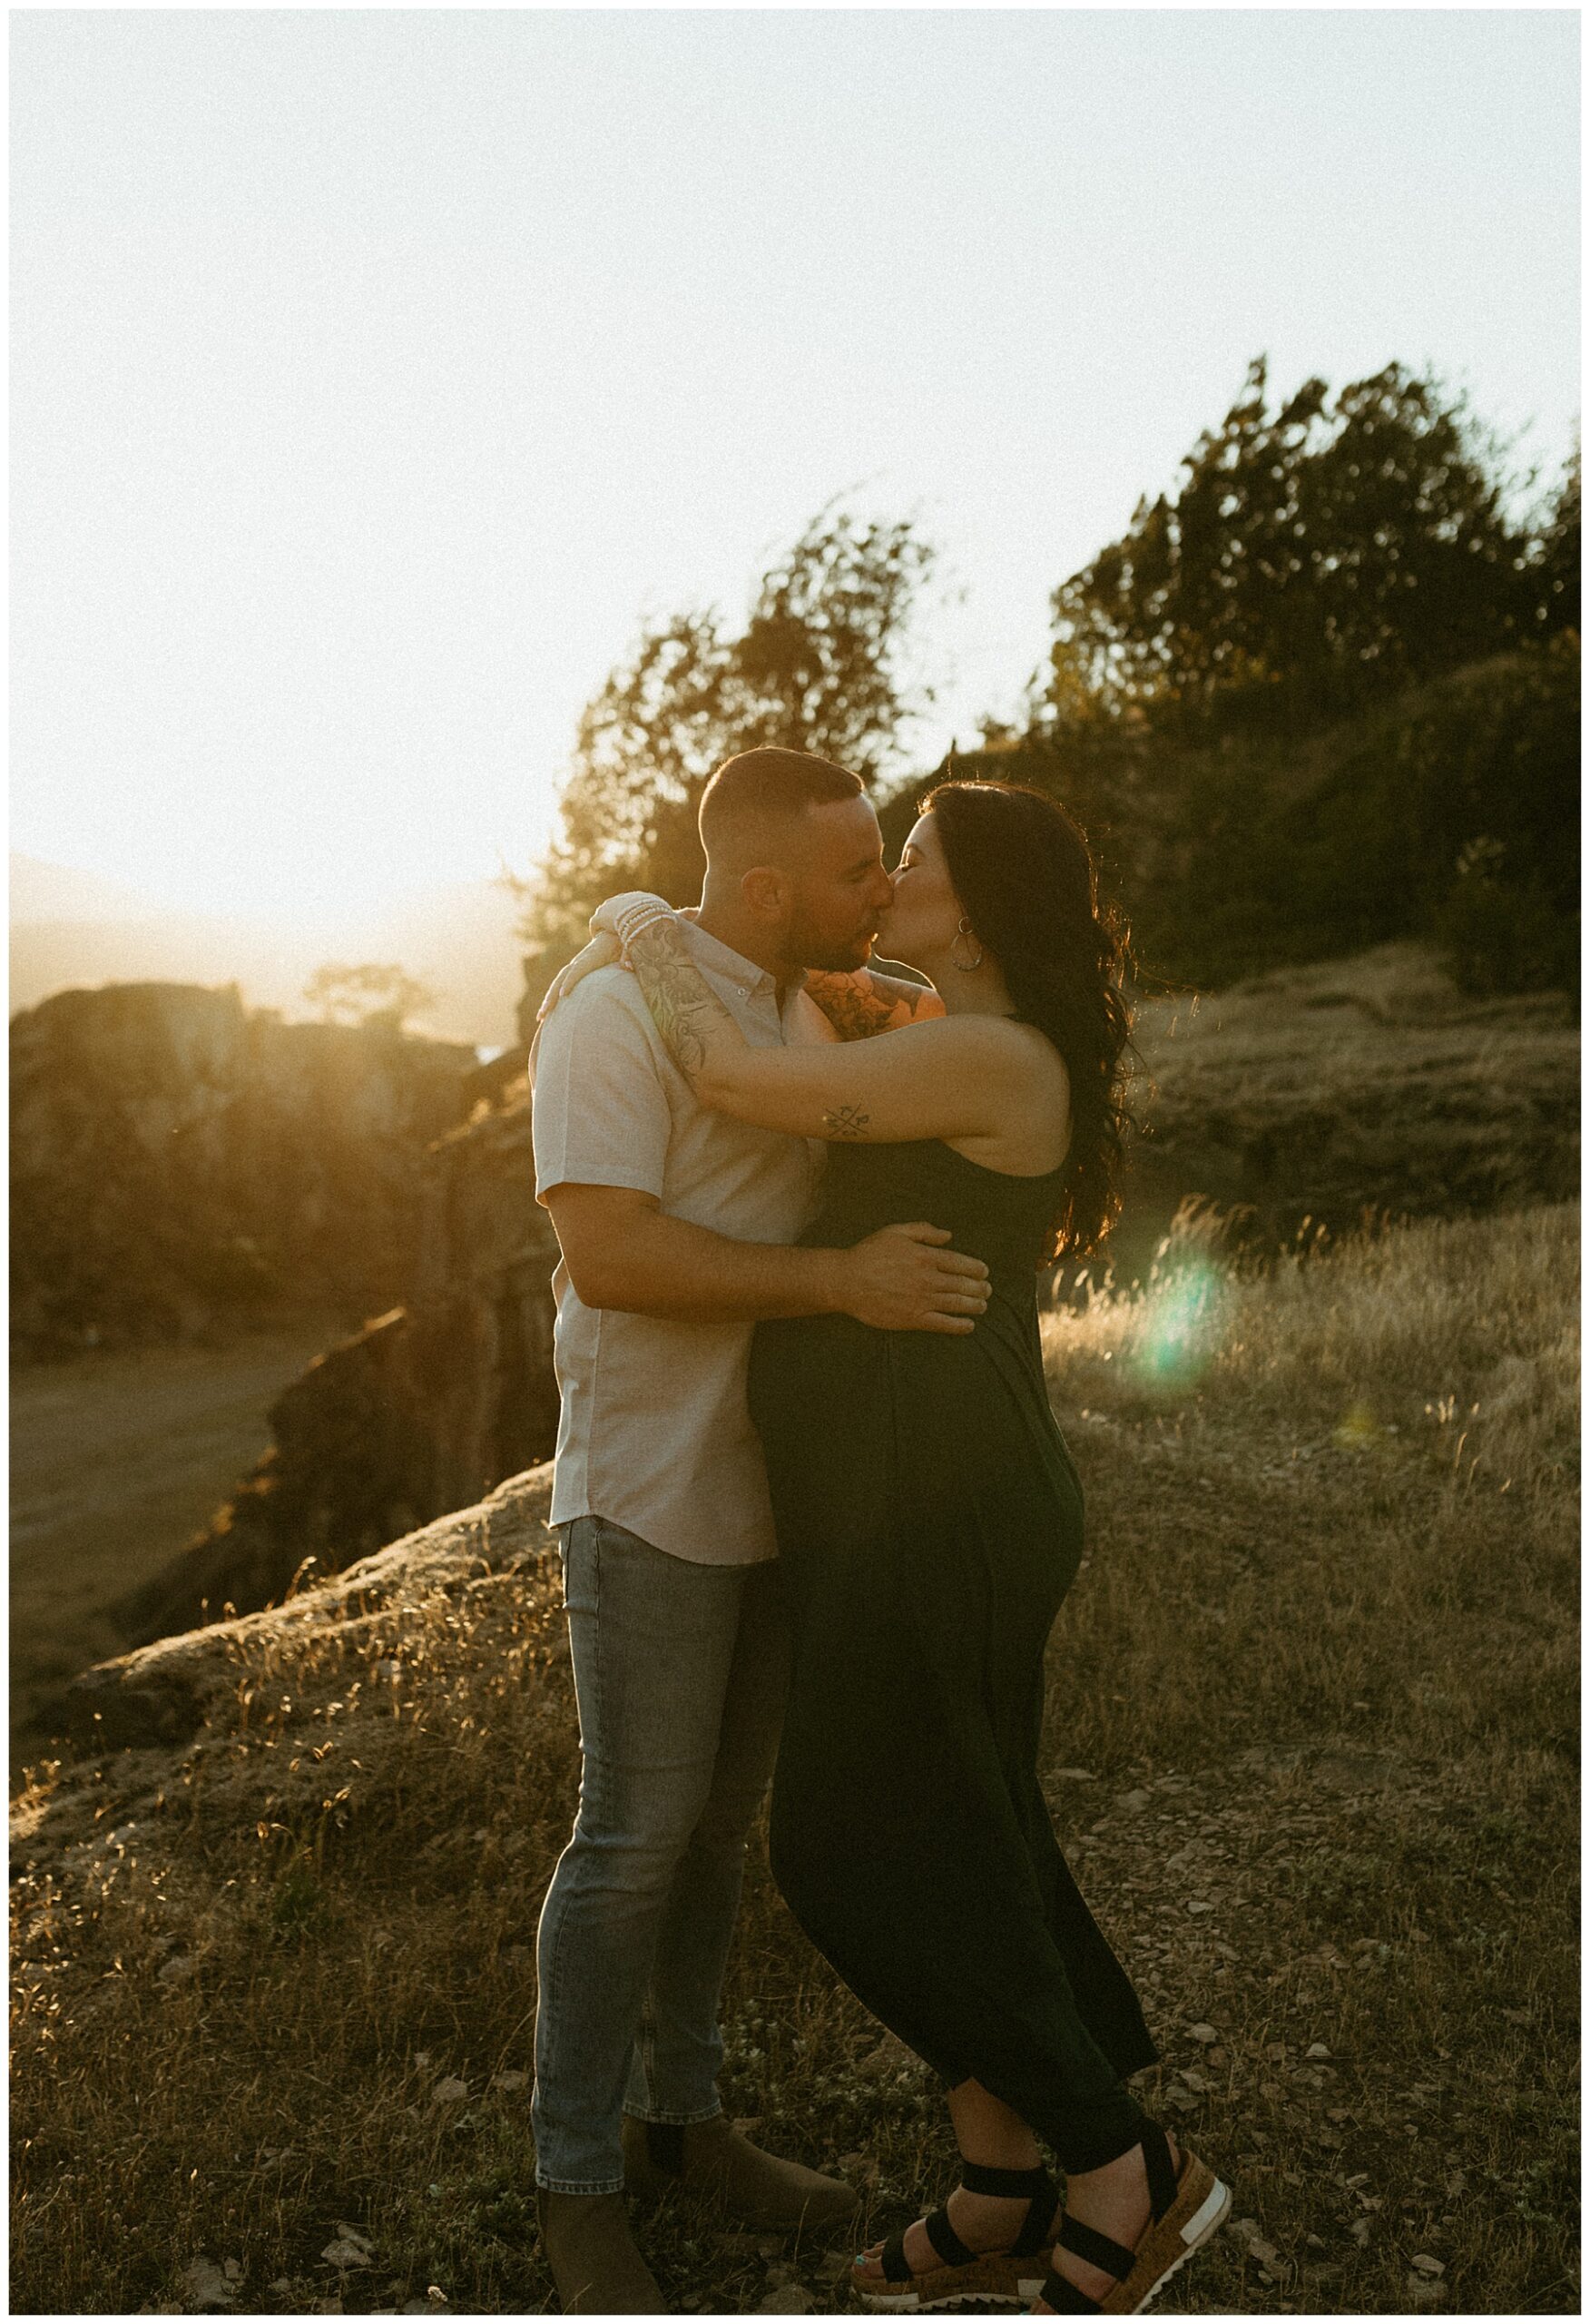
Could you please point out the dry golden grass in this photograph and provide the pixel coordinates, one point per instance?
(1311, 1746)
(1364, 1083)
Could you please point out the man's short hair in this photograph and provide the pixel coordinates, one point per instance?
(752, 794)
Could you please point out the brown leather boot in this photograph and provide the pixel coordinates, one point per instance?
(596, 2263)
(713, 2159)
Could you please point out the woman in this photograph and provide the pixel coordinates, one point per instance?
(929, 1523)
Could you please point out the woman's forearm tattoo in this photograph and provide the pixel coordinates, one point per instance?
(692, 1021)
(686, 1011)
(845, 1121)
(858, 1003)
(854, 1011)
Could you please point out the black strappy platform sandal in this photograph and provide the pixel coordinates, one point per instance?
(1010, 2277)
(1186, 2203)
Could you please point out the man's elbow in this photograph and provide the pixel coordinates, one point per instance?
(605, 1279)
(592, 1280)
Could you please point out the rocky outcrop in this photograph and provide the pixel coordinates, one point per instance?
(1358, 1088)
(164, 1692)
(181, 1164)
(422, 1411)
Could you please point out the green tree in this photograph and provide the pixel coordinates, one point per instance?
(1554, 568)
(367, 993)
(818, 665)
(1313, 557)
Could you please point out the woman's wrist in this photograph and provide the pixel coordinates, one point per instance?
(626, 915)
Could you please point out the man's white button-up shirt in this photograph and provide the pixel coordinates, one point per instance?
(654, 1433)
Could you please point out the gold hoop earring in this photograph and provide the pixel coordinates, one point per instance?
(966, 966)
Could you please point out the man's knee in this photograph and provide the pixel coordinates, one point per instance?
(641, 1849)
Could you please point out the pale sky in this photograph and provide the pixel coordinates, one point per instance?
(375, 374)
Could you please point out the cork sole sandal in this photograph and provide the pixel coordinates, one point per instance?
(1186, 2204)
(1010, 2277)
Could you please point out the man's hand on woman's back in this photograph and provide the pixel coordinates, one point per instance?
(903, 1279)
(623, 1251)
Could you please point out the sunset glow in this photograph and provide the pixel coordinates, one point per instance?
(376, 374)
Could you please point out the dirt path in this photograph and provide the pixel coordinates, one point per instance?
(116, 1460)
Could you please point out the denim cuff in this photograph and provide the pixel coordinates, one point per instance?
(580, 2186)
(711, 2115)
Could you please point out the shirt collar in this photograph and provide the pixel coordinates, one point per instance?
(752, 982)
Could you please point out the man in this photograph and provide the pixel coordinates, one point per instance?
(676, 1226)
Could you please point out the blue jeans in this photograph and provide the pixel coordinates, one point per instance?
(679, 1674)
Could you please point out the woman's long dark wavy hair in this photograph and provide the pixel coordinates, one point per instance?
(1028, 884)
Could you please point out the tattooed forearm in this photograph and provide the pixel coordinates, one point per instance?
(848, 1002)
(859, 1002)
(845, 1121)
(706, 1042)
(686, 1011)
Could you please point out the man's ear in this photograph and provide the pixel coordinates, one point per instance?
(766, 891)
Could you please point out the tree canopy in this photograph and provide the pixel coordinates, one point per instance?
(369, 992)
(1313, 556)
(1323, 693)
(818, 665)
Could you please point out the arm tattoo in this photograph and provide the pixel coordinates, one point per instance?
(692, 1021)
(845, 1121)
(687, 1012)
(859, 1002)
(850, 1005)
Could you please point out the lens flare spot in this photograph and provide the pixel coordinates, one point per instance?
(1358, 1428)
(1182, 1325)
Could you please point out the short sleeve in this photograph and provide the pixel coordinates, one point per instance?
(599, 1111)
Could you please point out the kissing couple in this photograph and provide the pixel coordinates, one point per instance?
(813, 1509)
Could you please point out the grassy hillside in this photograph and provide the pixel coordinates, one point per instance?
(1363, 1086)
(1310, 1747)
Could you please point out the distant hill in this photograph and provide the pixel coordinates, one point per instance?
(183, 1166)
(41, 892)
(72, 929)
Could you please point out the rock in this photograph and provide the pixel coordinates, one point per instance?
(787, 2300)
(421, 1412)
(1248, 2234)
(348, 2249)
(449, 2092)
(1203, 2032)
(163, 1692)
(1316, 2050)
(182, 1164)
(206, 2286)
(1263, 1152)
(1427, 2264)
